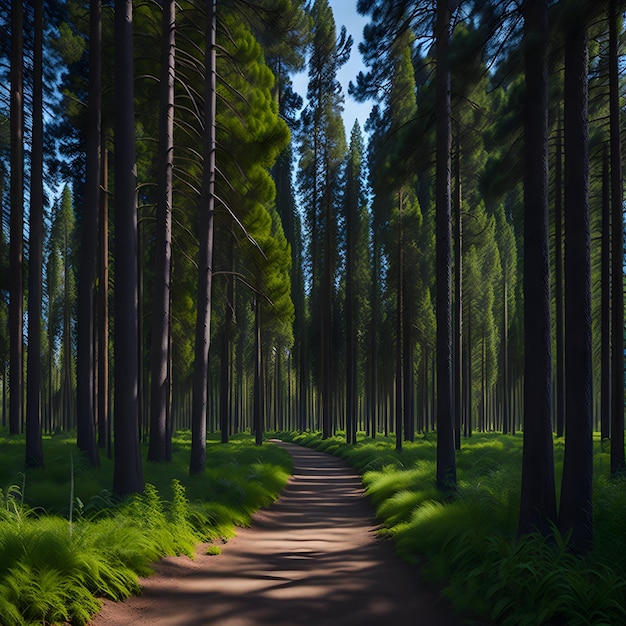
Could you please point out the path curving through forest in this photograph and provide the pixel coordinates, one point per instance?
(312, 559)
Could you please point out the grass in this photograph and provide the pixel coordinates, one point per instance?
(468, 543)
(53, 571)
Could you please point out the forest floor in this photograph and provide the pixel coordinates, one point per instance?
(313, 558)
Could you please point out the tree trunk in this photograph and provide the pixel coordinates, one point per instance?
(16, 244)
(225, 358)
(446, 462)
(538, 500)
(617, 262)
(259, 405)
(399, 412)
(575, 512)
(458, 300)
(159, 350)
(34, 444)
(558, 280)
(205, 261)
(85, 361)
(104, 424)
(128, 472)
(605, 359)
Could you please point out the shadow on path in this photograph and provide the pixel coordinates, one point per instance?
(311, 559)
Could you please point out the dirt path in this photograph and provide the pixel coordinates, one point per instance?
(310, 559)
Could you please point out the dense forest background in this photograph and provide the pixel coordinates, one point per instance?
(454, 265)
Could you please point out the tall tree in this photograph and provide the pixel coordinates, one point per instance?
(323, 150)
(128, 472)
(446, 462)
(159, 365)
(85, 368)
(205, 258)
(538, 500)
(16, 244)
(617, 239)
(355, 246)
(34, 445)
(575, 511)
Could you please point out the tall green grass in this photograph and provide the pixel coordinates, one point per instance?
(468, 543)
(53, 569)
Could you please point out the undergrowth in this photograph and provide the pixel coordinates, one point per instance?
(468, 543)
(54, 569)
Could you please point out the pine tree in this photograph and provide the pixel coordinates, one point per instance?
(34, 444)
(322, 153)
(160, 374)
(538, 503)
(128, 472)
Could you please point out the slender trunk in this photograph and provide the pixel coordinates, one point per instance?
(16, 244)
(259, 405)
(104, 425)
(458, 300)
(85, 361)
(159, 392)
(538, 501)
(205, 260)
(225, 358)
(446, 462)
(617, 262)
(575, 512)
(605, 374)
(128, 472)
(558, 280)
(34, 444)
(399, 339)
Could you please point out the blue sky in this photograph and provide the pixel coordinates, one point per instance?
(345, 15)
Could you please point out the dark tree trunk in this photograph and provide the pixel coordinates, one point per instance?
(34, 444)
(446, 462)
(226, 357)
(617, 262)
(259, 404)
(605, 359)
(205, 261)
(326, 315)
(159, 350)
(458, 301)
(399, 412)
(128, 472)
(558, 285)
(85, 361)
(16, 244)
(104, 423)
(538, 500)
(575, 512)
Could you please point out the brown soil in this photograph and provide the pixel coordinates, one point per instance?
(312, 558)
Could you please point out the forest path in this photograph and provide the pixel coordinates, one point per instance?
(312, 558)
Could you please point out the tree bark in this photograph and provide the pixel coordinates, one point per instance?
(605, 358)
(558, 285)
(34, 444)
(617, 237)
(446, 462)
(575, 512)
(16, 244)
(159, 350)
(85, 361)
(205, 261)
(128, 472)
(538, 500)
(104, 423)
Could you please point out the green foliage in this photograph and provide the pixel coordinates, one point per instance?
(50, 575)
(469, 543)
